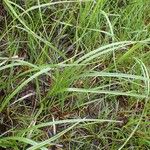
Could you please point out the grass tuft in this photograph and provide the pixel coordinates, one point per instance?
(74, 74)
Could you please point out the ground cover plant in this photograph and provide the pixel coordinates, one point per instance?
(74, 74)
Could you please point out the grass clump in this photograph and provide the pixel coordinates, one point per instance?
(74, 74)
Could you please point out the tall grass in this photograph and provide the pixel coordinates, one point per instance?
(75, 75)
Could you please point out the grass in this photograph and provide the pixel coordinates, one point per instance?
(74, 74)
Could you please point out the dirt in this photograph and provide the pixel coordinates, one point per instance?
(138, 107)
(123, 101)
(30, 101)
(123, 118)
(3, 14)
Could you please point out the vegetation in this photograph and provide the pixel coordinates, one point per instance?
(74, 74)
